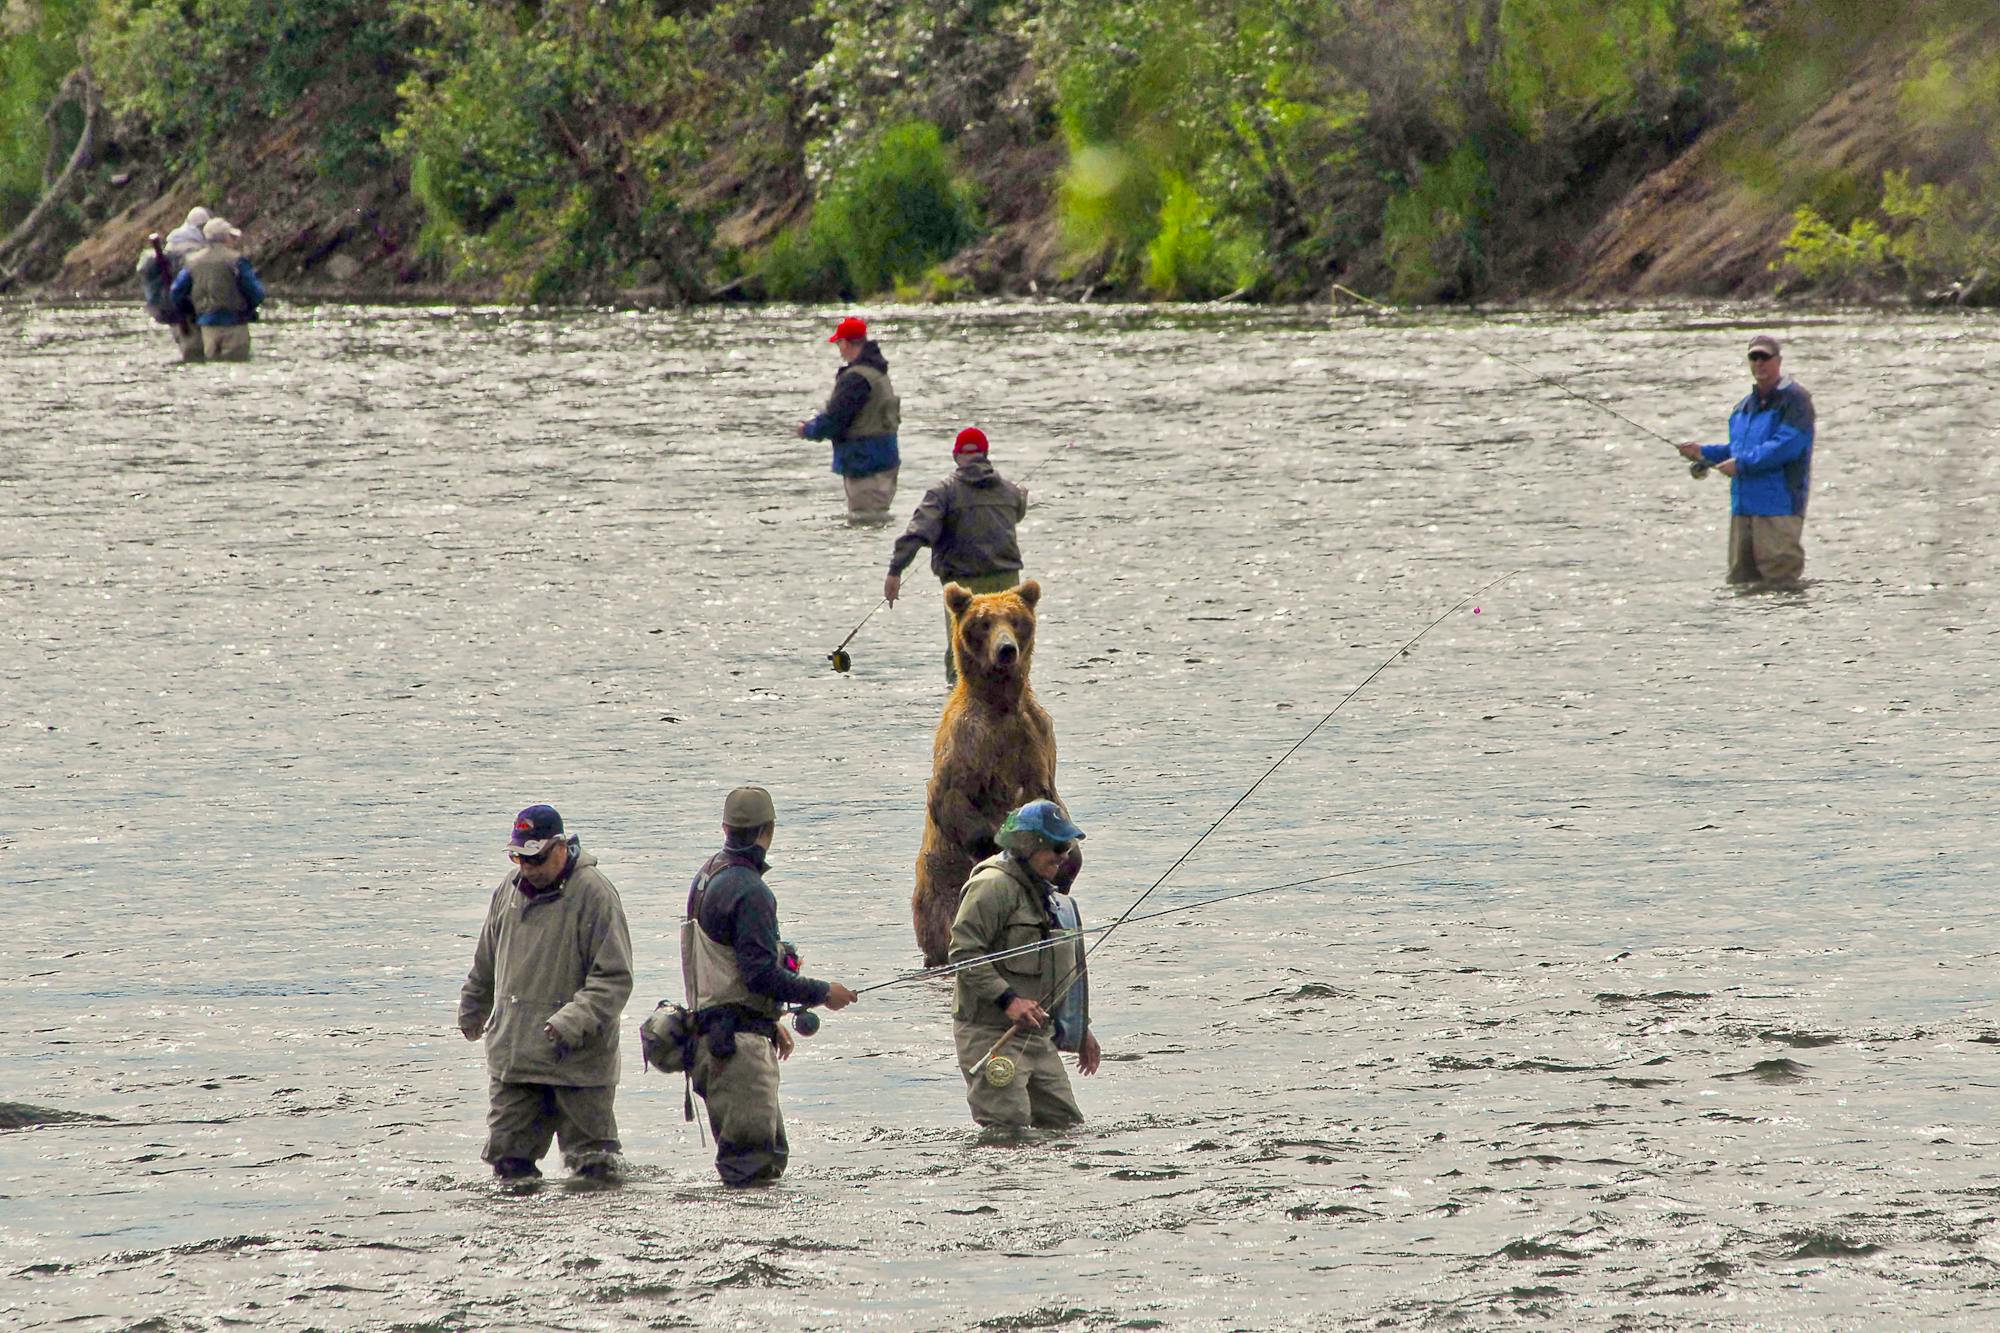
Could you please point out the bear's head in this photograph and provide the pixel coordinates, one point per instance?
(995, 633)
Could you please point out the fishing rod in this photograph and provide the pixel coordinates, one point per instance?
(952, 969)
(840, 658)
(1005, 1075)
(1697, 470)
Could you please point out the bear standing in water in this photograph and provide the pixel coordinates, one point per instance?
(995, 752)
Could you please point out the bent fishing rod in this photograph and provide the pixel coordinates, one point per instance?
(1697, 470)
(952, 969)
(840, 658)
(1062, 988)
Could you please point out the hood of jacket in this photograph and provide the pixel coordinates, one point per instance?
(975, 470)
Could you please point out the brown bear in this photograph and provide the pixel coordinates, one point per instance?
(995, 751)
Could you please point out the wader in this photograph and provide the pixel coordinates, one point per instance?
(735, 1070)
(1766, 548)
(1040, 1093)
(521, 1118)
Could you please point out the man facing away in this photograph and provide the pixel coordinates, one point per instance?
(1010, 901)
(549, 978)
(738, 981)
(158, 278)
(1768, 461)
(861, 418)
(220, 292)
(968, 521)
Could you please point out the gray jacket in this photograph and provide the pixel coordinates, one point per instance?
(561, 959)
(968, 521)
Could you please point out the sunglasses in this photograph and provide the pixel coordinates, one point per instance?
(521, 860)
(1760, 356)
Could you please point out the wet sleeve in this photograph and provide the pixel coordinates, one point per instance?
(926, 526)
(475, 997)
(246, 278)
(973, 932)
(756, 942)
(850, 395)
(606, 944)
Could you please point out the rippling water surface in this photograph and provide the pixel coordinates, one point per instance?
(1687, 1019)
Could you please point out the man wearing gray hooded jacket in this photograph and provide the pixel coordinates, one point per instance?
(968, 521)
(549, 978)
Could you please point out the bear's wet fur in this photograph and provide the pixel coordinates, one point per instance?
(995, 751)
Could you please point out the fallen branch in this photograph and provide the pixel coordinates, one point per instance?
(78, 87)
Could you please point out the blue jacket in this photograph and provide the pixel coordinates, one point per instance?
(1771, 439)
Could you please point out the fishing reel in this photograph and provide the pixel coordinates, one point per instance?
(1699, 469)
(804, 1021)
(841, 661)
(1000, 1071)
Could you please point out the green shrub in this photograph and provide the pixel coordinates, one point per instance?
(1194, 254)
(894, 212)
(1431, 231)
(1819, 251)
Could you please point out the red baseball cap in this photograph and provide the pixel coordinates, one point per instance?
(850, 329)
(971, 440)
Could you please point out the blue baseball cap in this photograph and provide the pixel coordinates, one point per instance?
(534, 829)
(1045, 819)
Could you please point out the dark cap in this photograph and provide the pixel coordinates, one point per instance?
(748, 807)
(1764, 342)
(534, 829)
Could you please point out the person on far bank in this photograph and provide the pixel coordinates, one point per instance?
(219, 291)
(739, 977)
(1768, 461)
(158, 278)
(549, 978)
(861, 418)
(1040, 996)
(968, 521)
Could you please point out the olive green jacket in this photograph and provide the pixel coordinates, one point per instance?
(562, 961)
(1001, 908)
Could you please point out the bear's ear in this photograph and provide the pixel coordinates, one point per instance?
(956, 598)
(1031, 592)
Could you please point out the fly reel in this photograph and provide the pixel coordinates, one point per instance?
(841, 661)
(1698, 470)
(1000, 1071)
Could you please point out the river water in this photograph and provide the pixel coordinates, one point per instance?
(1686, 1018)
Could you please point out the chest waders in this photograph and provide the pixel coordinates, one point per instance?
(714, 983)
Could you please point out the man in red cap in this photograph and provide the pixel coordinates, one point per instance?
(968, 521)
(861, 418)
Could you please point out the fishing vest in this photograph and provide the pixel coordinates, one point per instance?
(213, 284)
(708, 968)
(882, 413)
(1070, 1015)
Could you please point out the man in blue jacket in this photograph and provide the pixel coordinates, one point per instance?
(861, 418)
(1768, 461)
(220, 292)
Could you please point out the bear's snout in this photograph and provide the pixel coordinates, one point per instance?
(1006, 649)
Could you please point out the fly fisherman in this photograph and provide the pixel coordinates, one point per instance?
(968, 521)
(739, 977)
(549, 978)
(1010, 901)
(861, 418)
(219, 291)
(1768, 461)
(160, 265)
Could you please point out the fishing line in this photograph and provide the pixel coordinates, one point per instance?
(1062, 988)
(951, 969)
(1697, 470)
